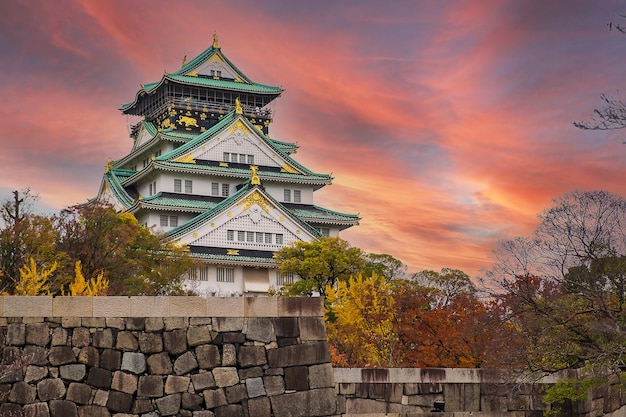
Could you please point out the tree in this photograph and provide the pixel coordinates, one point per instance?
(319, 264)
(93, 287)
(32, 282)
(361, 321)
(451, 283)
(384, 265)
(567, 294)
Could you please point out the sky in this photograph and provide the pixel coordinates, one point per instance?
(447, 125)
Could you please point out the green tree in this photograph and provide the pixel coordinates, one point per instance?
(320, 263)
(384, 265)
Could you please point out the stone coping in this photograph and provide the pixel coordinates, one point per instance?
(438, 375)
(166, 306)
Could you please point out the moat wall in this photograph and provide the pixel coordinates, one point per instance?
(223, 357)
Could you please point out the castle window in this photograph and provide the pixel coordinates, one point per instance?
(279, 239)
(224, 190)
(177, 186)
(268, 238)
(241, 236)
(242, 158)
(250, 236)
(164, 220)
(284, 278)
(215, 188)
(297, 196)
(325, 231)
(259, 237)
(188, 186)
(287, 196)
(251, 159)
(152, 187)
(230, 235)
(203, 273)
(225, 274)
(173, 221)
(226, 156)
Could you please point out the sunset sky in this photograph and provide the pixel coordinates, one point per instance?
(446, 124)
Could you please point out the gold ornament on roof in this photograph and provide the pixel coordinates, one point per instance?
(289, 169)
(254, 175)
(239, 125)
(255, 198)
(232, 251)
(238, 108)
(215, 41)
(187, 159)
(108, 166)
(184, 61)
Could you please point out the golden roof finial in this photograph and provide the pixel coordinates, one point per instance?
(238, 108)
(216, 45)
(184, 61)
(108, 166)
(254, 175)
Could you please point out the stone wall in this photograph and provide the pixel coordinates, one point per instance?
(165, 356)
(462, 392)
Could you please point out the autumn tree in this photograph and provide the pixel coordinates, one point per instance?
(361, 321)
(565, 286)
(319, 264)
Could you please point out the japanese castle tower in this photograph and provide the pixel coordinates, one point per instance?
(204, 171)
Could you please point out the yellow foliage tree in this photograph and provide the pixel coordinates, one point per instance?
(32, 282)
(93, 287)
(361, 321)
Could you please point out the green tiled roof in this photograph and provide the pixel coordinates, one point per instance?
(235, 259)
(170, 201)
(320, 213)
(114, 179)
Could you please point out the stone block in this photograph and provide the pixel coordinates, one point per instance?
(37, 334)
(259, 407)
(231, 337)
(225, 376)
(72, 307)
(255, 387)
(168, 405)
(100, 378)
(73, 372)
(228, 324)
(311, 403)
(81, 337)
(10, 410)
(58, 337)
(231, 410)
(259, 329)
(71, 322)
(191, 401)
(236, 393)
(208, 356)
(35, 410)
(225, 307)
(61, 355)
(50, 389)
(119, 402)
(134, 362)
(78, 393)
(93, 411)
(150, 386)
(297, 378)
(185, 363)
(174, 384)
(286, 327)
(305, 354)
(200, 321)
(115, 323)
(175, 341)
(111, 359)
(101, 397)
(251, 356)
(124, 382)
(154, 324)
(322, 376)
(229, 355)
(173, 323)
(89, 355)
(135, 323)
(115, 306)
(103, 338)
(27, 306)
(254, 372)
(142, 406)
(274, 385)
(300, 307)
(62, 408)
(16, 334)
(126, 341)
(312, 328)
(149, 307)
(202, 381)
(35, 373)
(199, 335)
(214, 398)
(260, 306)
(93, 322)
(5, 390)
(22, 393)
(159, 364)
(188, 306)
(150, 342)
(494, 403)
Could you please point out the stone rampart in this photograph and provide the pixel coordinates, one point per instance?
(164, 356)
